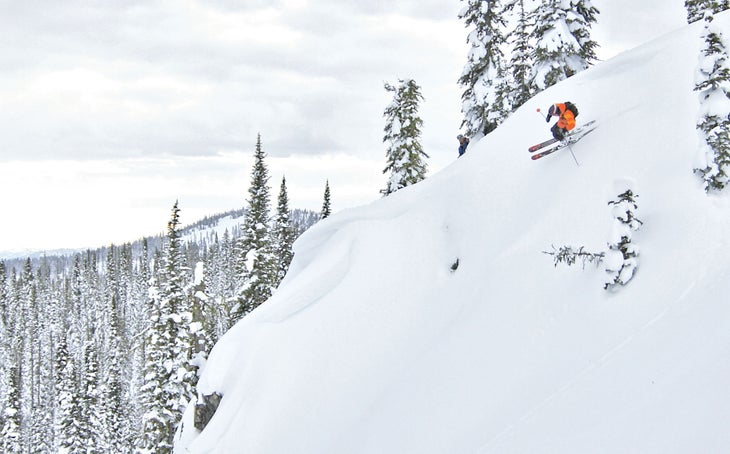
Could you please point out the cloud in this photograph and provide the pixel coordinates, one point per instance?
(112, 79)
(133, 104)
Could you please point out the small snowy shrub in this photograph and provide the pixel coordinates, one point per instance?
(621, 260)
(569, 255)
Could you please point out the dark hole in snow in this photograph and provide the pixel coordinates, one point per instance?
(455, 265)
(204, 411)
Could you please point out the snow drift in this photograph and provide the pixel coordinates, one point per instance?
(375, 344)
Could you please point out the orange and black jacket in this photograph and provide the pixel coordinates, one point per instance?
(567, 119)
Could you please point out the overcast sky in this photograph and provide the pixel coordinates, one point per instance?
(110, 111)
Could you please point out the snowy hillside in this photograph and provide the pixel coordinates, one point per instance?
(374, 345)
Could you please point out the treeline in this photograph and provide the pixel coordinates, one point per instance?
(100, 351)
(517, 48)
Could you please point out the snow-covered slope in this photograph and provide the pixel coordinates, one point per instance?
(374, 345)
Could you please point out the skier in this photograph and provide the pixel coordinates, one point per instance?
(567, 113)
(463, 143)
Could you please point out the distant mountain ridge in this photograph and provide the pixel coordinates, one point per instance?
(205, 228)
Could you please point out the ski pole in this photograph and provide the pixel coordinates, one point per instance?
(570, 147)
(539, 112)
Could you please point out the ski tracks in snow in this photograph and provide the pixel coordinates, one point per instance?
(597, 365)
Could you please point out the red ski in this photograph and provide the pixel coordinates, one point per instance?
(534, 148)
(546, 152)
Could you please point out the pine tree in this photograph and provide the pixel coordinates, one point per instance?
(110, 404)
(40, 433)
(201, 329)
(701, 9)
(327, 203)
(29, 367)
(91, 425)
(156, 424)
(77, 306)
(178, 313)
(5, 339)
(405, 155)
(563, 44)
(220, 286)
(695, 10)
(4, 294)
(42, 413)
(520, 63)
(256, 250)
(14, 346)
(11, 436)
(713, 85)
(284, 234)
(580, 22)
(69, 411)
(484, 101)
(126, 289)
(169, 375)
(112, 391)
(127, 348)
(623, 264)
(136, 322)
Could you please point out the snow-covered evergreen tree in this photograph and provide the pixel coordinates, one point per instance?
(700, 9)
(29, 367)
(157, 419)
(405, 157)
(5, 339)
(284, 234)
(10, 433)
(41, 416)
(68, 436)
(112, 390)
(4, 295)
(713, 85)
(695, 10)
(201, 328)
(127, 347)
(520, 63)
(621, 260)
(42, 413)
(484, 101)
(177, 311)
(93, 300)
(327, 201)
(91, 429)
(220, 285)
(169, 374)
(583, 16)
(563, 46)
(256, 249)
(137, 322)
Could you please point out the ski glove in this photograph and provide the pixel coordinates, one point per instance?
(551, 112)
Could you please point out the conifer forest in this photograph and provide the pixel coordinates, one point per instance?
(100, 349)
